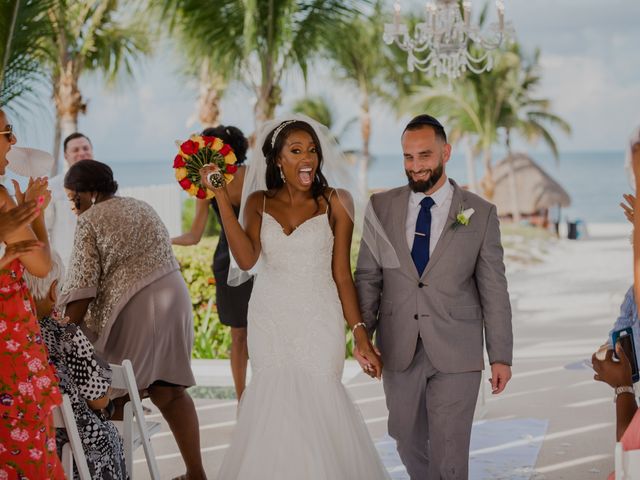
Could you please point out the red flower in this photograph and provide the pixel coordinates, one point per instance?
(201, 193)
(208, 140)
(185, 183)
(189, 147)
(178, 162)
(231, 169)
(225, 149)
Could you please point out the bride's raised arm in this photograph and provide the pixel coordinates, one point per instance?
(244, 243)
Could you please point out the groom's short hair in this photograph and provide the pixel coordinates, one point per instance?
(425, 120)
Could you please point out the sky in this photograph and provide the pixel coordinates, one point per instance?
(590, 70)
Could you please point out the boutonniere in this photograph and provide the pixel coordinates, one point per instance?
(464, 217)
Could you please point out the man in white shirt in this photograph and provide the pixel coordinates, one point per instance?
(60, 220)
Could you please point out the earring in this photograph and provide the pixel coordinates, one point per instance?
(284, 180)
(93, 200)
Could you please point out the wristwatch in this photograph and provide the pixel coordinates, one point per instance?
(623, 389)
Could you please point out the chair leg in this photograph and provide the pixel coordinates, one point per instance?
(127, 433)
(67, 460)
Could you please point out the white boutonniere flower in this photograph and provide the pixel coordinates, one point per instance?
(464, 216)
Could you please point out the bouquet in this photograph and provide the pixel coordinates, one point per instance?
(197, 152)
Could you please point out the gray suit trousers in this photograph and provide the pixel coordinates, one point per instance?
(430, 417)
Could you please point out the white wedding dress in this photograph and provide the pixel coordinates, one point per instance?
(296, 420)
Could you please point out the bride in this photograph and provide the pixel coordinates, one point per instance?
(296, 420)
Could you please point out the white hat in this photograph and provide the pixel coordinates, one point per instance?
(29, 162)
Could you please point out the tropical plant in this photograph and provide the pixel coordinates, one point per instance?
(371, 68)
(90, 36)
(262, 38)
(319, 109)
(23, 25)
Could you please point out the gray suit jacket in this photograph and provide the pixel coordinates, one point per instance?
(461, 296)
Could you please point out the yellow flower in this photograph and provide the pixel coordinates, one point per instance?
(181, 173)
(217, 144)
(228, 177)
(193, 190)
(230, 158)
(198, 139)
(210, 194)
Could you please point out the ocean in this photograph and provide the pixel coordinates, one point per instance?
(594, 180)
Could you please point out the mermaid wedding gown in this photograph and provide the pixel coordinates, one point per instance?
(296, 420)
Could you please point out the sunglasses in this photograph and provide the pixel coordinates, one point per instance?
(7, 132)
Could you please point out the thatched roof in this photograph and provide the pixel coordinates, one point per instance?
(536, 189)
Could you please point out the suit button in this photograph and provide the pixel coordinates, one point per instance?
(421, 285)
(415, 317)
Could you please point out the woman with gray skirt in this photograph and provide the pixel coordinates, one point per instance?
(125, 289)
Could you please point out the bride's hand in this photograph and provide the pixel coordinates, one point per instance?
(367, 355)
(204, 177)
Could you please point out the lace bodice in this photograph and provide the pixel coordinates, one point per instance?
(295, 314)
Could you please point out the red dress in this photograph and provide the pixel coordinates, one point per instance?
(28, 386)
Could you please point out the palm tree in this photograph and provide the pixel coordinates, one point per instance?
(262, 38)
(528, 116)
(319, 109)
(23, 24)
(89, 35)
(370, 67)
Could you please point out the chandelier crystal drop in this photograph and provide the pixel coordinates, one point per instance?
(444, 43)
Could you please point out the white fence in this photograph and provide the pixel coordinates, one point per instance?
(166, 201)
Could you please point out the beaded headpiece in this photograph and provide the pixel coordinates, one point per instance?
(279, 129)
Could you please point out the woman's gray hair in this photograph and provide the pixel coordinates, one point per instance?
(39, 287)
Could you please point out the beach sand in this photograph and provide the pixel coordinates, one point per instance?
(553, 421)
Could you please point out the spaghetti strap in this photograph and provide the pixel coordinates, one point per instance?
(329, 200)
(264, 201)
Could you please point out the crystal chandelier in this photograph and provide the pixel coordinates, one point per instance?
(441, 45)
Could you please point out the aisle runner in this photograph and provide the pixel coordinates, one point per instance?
(500, 450)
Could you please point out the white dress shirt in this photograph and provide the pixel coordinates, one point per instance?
(439, 213)
(60, 220)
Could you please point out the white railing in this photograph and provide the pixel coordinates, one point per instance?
(166, 201)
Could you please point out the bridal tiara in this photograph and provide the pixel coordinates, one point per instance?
(279, 129)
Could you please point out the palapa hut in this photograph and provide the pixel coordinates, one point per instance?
(537, 191)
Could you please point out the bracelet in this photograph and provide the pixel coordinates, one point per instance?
(623, 389)
(360, 324)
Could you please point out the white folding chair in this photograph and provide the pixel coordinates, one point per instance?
(72, 451)
(627, 463)
(124, 378)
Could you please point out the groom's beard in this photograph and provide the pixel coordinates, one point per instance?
(423, 186)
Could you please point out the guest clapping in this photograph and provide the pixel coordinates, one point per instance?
(84, 377)
(28, 385)
(124, 286)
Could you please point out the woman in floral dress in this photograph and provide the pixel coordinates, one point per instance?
(28, 385)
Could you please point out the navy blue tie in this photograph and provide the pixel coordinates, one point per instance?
(420, 249)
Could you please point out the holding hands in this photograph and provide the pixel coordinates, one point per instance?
(367, 355)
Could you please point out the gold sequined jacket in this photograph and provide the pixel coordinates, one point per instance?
(120, 247)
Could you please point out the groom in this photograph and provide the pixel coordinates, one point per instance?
(431, 313)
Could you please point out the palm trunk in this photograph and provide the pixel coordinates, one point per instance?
(513, 189)
(211, 88)
(471, 165)
(57, 141)
(487, 183)
(365, 129)
(69, 101)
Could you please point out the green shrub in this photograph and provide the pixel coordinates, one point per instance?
(212, 339)
(211, 229)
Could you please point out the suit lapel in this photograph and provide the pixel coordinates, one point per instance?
(457, 204)
(401, 206)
